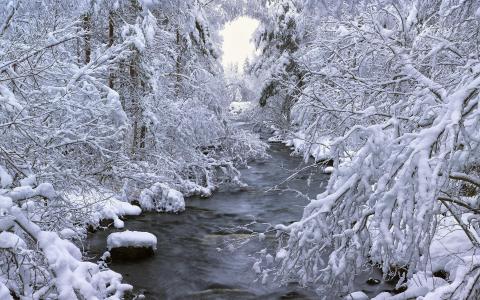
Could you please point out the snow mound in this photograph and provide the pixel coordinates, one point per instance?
(114, 209)
(10, 240)
(162, 198)
(239, 107)
(102, 206)
(134, 239)
(328, 170)
(319, 150)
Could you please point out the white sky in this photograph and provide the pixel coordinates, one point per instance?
(237, 44)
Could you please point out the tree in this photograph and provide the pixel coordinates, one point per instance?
(278, 40)
(91, 105)
(395, 88)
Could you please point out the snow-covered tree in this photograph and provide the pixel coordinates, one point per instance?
(278, 40)
(102, 97)
(394, 88)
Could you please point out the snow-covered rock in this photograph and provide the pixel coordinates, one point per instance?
(131, 245)
(162, 198)
(135, 239)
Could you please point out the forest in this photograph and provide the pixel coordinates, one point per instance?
(340, 160)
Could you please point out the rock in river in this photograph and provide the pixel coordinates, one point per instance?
(131, 245)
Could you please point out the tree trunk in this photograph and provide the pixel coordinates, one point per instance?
(111, 24)
(87, 25)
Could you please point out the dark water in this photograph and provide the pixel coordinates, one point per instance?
(199, 253)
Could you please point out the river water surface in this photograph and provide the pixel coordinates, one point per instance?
(198, 254)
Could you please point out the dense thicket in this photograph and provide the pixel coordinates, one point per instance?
(101, 98)
(390, 90)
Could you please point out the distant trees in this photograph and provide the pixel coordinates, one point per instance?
(278, 40)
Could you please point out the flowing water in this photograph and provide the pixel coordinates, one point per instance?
(198, 253)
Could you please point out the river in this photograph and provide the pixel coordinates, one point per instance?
(199, 254)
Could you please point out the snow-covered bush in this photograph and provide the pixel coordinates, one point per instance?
(160, 197)
(38, 264)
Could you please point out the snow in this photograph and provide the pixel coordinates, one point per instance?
(412, 17)
(5, 178)
(4, 292)
(24, 192)
(269, 259)
(131, 239)
(162, 198)
(425, 280)
(103, 206)
(477, 13)
(5, 204)
(328, 170)
(149, 27)
(281, 254)
(114, 209)
(239, 107)
(450, 246)
(118, 115)
(6, 220)
(382, 296)
(7, 97)
(148, 3)
(319, 149)
(411, 293)
(29, 181)
(67, 233)
(71, 275)
(134, 34)
(10, 240)
(256, 267)
(356, 296)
